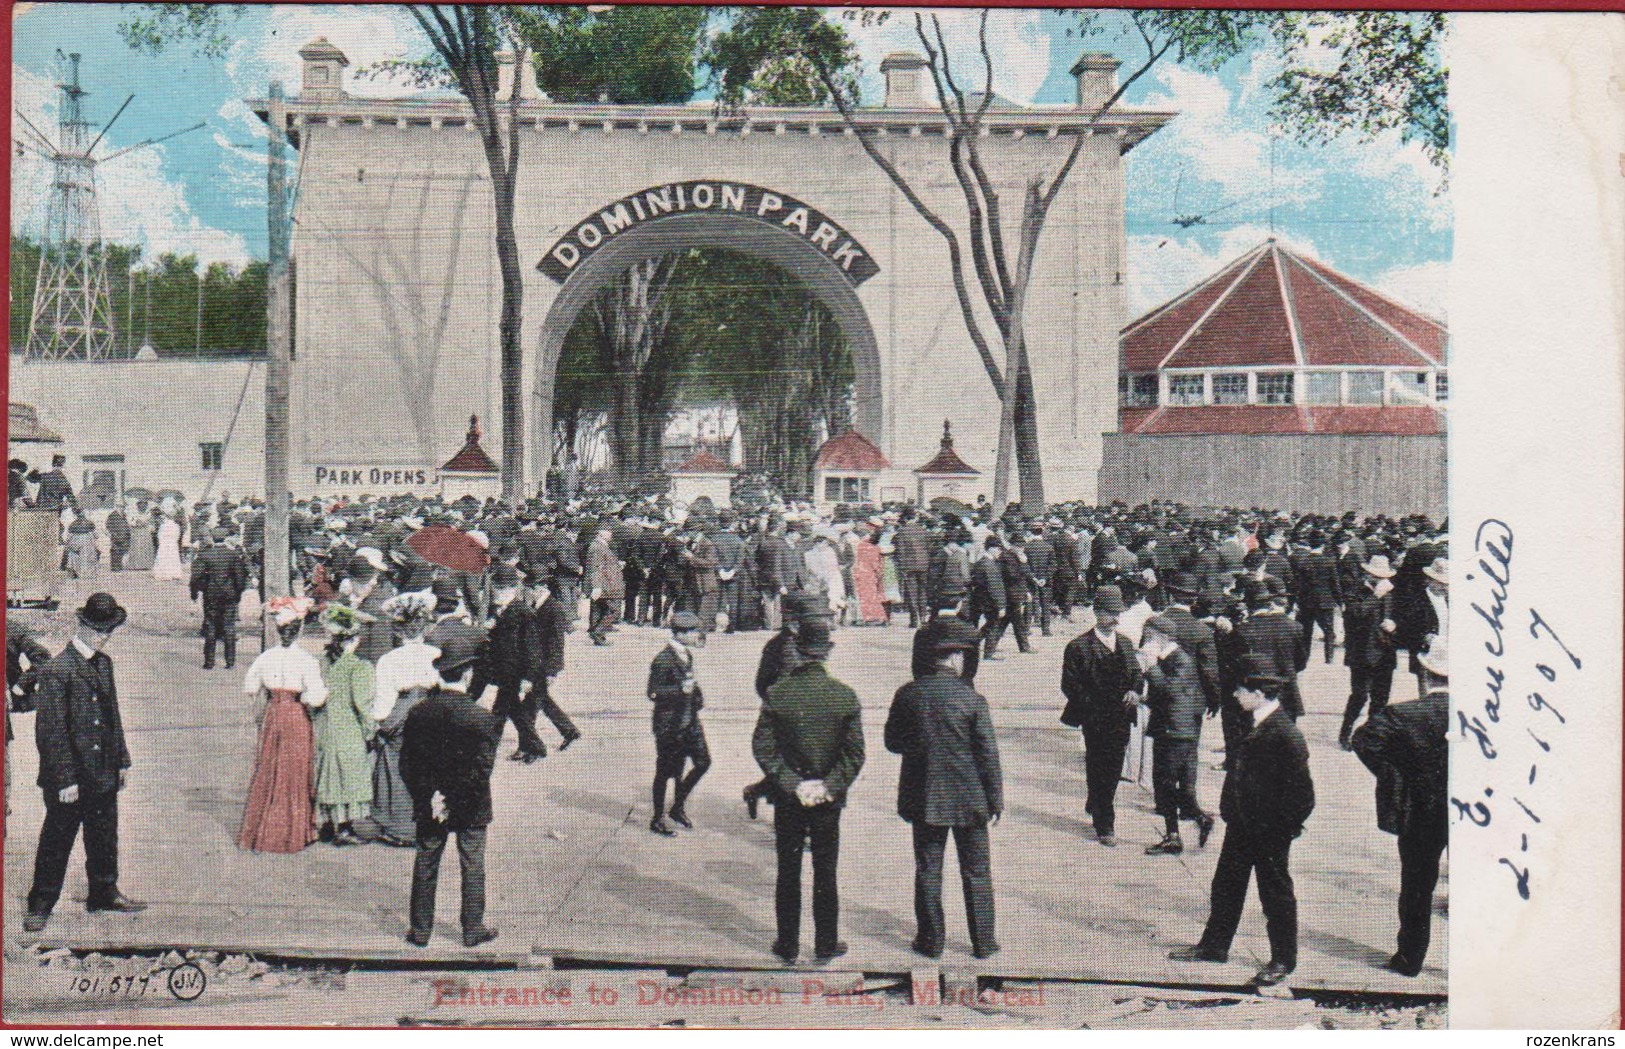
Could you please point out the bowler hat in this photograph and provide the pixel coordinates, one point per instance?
(220, 535)
(102, 613)
(804, 604)
(446, 594)
(1181, 584)
(684, 621)
(1269, 684)
(504, 574)
(1164, 626)
(1109, 599)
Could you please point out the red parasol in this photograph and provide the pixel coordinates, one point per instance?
(447, 547)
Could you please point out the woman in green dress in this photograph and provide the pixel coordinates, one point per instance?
(343, 726)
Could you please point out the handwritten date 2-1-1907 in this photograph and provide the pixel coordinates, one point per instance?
(1510, 736)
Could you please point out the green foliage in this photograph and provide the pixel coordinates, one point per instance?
(631, 54)
(771, 56)
(233, 302)
(152, 27)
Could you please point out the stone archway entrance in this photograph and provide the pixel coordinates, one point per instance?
(809, 247)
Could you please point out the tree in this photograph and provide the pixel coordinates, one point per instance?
(1317, 103)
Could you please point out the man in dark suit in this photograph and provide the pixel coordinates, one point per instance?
(1195, 637)
(988, 602)
(779, 655)
(731, 576)
(54, 491)
(1100, 677)
(675, 721)
(83, 765)
(1040, 573)
(809, 743)
(1319, 593)
(1264, 804)
(912, 546)
(219, 577)
(606, 582)
(1067, 570)
(1270, 640)
(508, 662)
(945, 630)
(118, 538)
(1368, 645)
(449, 746)
(1176, 701)
(950, 783)
(544, 632)
(1406, 745)
(778, 573)
(699, 557)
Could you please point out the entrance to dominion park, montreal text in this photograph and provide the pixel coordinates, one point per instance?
(398, 283)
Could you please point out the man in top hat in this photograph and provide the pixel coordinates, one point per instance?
(809, 743)
(448, 751)
(951, 783)
(219, 577)
(1406, 746)
(83, 764)
(1264, 804)
(675, 721)
(1368, 644)
(1271, 640)
(1101, 678)
(1319, 593)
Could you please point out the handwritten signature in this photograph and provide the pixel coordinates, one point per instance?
(1494, 726)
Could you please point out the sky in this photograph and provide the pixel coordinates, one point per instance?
(1374, 210)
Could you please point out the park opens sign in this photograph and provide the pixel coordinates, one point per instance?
(735, 198)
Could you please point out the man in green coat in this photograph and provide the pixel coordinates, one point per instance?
(809, 742)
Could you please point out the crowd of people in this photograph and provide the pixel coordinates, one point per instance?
(1192, 614)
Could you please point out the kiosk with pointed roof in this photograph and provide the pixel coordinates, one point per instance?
(703, 475)
(847, 469)
(471, 472)
(947, 475)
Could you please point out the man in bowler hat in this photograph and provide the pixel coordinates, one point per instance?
(1264, 804)
(83, 766)
(951, 783)
(779, 655)
(675, 721)
(809, 742)
(219, 577)
(448, 751)
(1101, 678)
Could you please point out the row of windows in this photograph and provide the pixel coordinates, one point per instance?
(846, 490)
(1319, 388)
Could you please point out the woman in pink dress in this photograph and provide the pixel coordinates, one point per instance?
(280, 814)
(868, 579)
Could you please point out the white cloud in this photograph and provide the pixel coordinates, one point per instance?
(138, 201)
(1161, 267)
(1017, 40)
(1425, 286)
(366, 35)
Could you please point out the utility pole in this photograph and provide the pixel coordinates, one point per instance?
(197, 342)
(279, 349)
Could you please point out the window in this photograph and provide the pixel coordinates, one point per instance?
(1137, 391)
(1408, 387)
(846, 489)
(1275, 388)
(214, 455)
(1323, 388)
(1441, 386)
(1365, 387)
(1185, 390)
(1230, 388)
(318, 75)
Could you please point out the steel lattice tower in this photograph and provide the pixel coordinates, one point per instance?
(72, 318)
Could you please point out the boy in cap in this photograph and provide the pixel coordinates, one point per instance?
(809, 742)
(675, 721)
(83, 764)
(1175, 697)
(1265, 801)
(448, 751)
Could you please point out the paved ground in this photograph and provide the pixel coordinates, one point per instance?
(575, 875)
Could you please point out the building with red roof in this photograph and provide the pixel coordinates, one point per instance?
(847, 469)
(1276, 342)
(1280, 382)
(703, 474)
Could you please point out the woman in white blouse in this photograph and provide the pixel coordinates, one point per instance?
(403, 677)
(279, 816)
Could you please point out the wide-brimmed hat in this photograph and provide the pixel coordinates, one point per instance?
(1438, 570)
(812, 638)
(1436, 660)
(343, 621)
(102, 613)
(285, 611)
(684, 622)
(374, 557)
(1378, 566)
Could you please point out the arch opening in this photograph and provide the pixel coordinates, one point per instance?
(823, 281)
